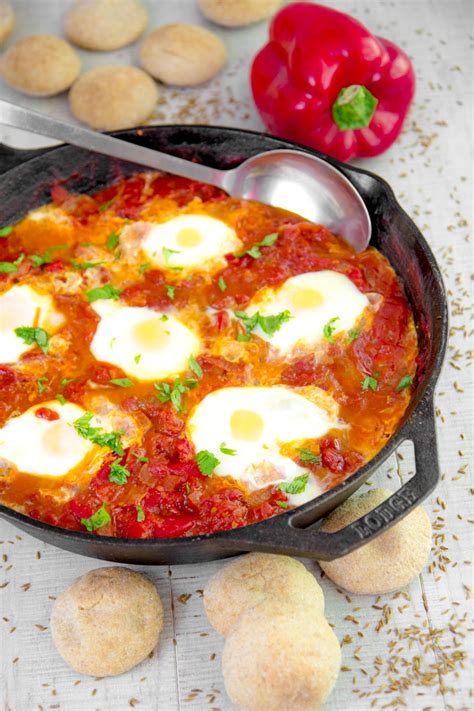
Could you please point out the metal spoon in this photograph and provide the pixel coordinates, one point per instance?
(290, 179)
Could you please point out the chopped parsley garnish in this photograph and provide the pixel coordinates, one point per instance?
(167, 252)
(122, 382)
(297, 486)
(221, 284)
(31, 335)
(10, 267)
(282, 504)
(255, 251)
(143, 267)
(118, 474)
(112, 240)
(108, 291)
(353, 334)
(206, 462)
(140, 514)
(329, 329)
(85, 265)
(137, 358)
(269, 324)
(227, 450)
(243, 337)
(170, 291)
(369, 382)
(61, 399)
(65, 381)
(97, 435)
(38, 261)
(306, 455)
(140, 458)
(405, 382)
(194, 366)
(5, 231)
(41, 384)
(174, 394)
(105, 205)
(99, 519)
(250, 322)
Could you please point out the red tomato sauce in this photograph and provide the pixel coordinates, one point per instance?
(165, 494)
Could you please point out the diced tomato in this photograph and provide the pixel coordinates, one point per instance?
(56, 266)
(80, 510)
(7, 376)
(59, 194)
(44, 413)
(173, 526)
(222, 320)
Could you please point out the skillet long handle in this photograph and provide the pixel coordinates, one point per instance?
(36, 122)
(277, 535)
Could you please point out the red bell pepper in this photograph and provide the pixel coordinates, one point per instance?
(325, 81)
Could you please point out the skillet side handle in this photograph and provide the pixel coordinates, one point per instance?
(282, 537)
(422, 432)
(11, 157)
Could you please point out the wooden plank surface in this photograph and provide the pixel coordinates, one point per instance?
(408, 650)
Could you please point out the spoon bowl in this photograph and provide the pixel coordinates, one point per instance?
(307, 186)
(294, 181)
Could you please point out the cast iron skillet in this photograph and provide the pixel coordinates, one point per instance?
(25, 184)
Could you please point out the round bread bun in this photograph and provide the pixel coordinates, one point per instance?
(107, 621)
(391, 560)
(237, 13)
(40, 65)
(182, 55)
(7, 21)
(105, 25)
(253, 578)
(113, 97)
(279, 657)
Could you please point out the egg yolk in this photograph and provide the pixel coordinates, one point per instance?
(247, 425)
(150, 334)
(188, 237)
(307, 298)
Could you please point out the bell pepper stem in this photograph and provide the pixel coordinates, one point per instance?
(354, 107)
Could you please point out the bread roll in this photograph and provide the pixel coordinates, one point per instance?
(391, 560)
(7, 21)
(105, 25)
(237, 13)
(253, 578)
(182, 55)
(107, 621)
(40, 65)
(113, 97)
(280, 658)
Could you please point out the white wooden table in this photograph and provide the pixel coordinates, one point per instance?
(410, 650)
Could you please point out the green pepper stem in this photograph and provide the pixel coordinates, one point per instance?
(354, 107)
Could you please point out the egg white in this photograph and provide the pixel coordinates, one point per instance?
(189, 242)
(312, 299)
(256, 422)
(44, 447)
(145, 344)
(22, 305)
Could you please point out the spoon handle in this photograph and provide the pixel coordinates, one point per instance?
(36, 122)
